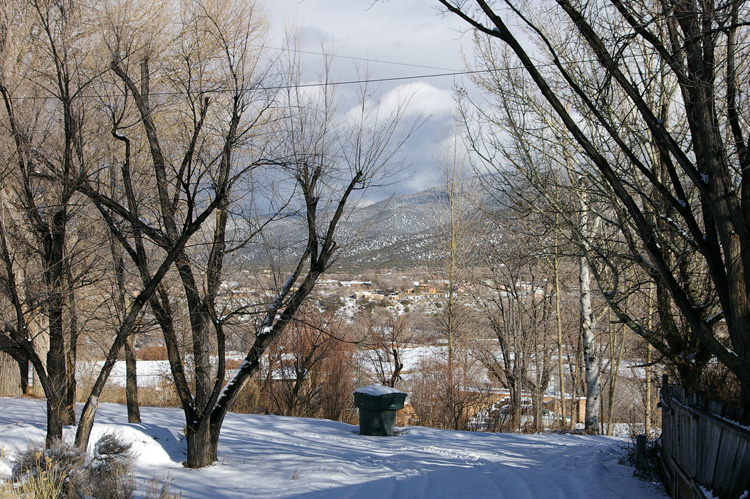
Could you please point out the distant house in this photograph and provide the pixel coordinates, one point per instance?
(366, 295)
(328, 283)
(356, 284)
(244, 293)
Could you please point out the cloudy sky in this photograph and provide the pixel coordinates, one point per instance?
(394, 39)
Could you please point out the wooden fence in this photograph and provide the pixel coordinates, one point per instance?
(704, 452)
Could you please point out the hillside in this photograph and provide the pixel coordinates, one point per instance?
(399, 232)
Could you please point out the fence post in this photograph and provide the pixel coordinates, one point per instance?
(640, 452)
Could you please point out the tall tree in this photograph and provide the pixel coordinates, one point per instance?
(517, 306)
(216, 106)
(701, 172)
(46, 73)
(588, 325)
(456, 221)
(224, 128)
(333, 158)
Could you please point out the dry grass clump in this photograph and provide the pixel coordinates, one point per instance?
(158, 488)
(63, 471)
(152, 353)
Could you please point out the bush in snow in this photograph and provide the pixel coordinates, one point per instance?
(62, 471)
(109, 469)
(47, 473)
(644, 461)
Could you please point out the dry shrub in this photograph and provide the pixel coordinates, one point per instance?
(407, 416)
(720, 384)
(54, 472)
(440, 401)
(162, 395)
(62, 471)
(248, 401)
(337, 385)
(152, 353)
(158, 488)
(114, 394)
(310, 369)
(232, 365)
(44, 482)
(109, 470)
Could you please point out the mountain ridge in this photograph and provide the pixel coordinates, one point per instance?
(400, 231)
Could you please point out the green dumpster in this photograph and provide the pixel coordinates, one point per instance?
(377, 406)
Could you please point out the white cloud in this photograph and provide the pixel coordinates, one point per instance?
(420, 180)
(384, 41)
(409, 32)
(420, 99)
(423, 99)
(453, 142)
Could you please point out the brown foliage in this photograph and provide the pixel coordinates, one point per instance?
(152, 353)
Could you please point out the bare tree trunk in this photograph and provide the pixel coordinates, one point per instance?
(202, 443)
(590, 356)
(647, 405)
(57, 399)
(40, 344)
(588, 325)
(71, 356)
(615, 348)
(649, 367)
(131, 380)
(23, 372)
(558, 320)
(116, 250)
(575, 372)
(10, 379)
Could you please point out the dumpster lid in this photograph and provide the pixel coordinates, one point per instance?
(376, 390)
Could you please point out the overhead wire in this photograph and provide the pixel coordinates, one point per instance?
(447, 72)
(362, 59)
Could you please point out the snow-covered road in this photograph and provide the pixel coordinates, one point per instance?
(273, 456)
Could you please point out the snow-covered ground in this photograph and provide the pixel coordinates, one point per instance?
(150, 372)
(274, 456)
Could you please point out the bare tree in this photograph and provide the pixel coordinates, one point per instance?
(699, 51)
(47, 74)
(457, 219)
(53, 133)
(588, 325)
(193, 172)
(518, 310)
(455, 229)
(332, 158)
(383, 339)
(296, 376)
(196, 169)
(539, 155)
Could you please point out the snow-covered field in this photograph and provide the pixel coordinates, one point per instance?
(274, 456)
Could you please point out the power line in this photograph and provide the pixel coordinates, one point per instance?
(380, 80)
(361, 81)
(363, 59)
